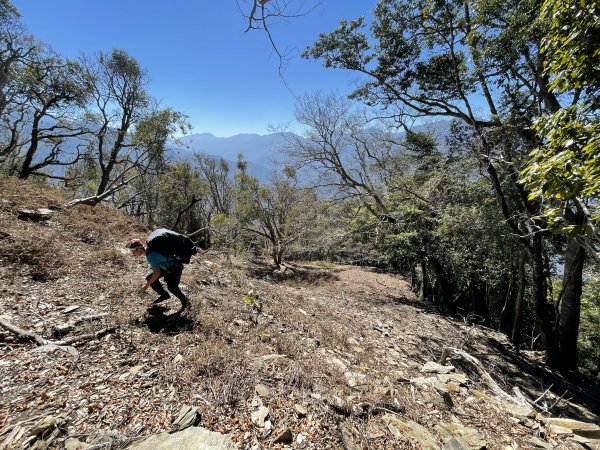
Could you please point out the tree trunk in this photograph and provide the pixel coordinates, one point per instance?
(506, 318)
(32, 150)
(570, 305)
(543, 311)
(444, 288)
(423, 282)
(480, 305)
(518, 318)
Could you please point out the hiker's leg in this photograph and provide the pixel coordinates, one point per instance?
(173, 277)
(158, 288)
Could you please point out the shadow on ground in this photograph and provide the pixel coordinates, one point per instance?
(291, 273)
(158, 321)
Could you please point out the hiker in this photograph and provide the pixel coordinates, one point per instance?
(166, 252)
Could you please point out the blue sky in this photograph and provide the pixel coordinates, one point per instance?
(197, 55)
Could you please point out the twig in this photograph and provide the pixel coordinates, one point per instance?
(543, 395)
(69, 326)
(86, 337)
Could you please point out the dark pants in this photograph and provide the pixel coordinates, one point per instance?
(172, 278)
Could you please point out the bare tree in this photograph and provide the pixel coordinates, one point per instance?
(261, 14)
(348, 156)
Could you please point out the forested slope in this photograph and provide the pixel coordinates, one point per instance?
(313, 356)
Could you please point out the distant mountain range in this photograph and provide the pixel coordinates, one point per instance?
(261, 151)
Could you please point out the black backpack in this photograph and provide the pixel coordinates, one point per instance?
(170, 243)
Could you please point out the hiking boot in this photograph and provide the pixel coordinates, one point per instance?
(162, 298)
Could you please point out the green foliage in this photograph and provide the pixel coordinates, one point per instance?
(253, 299)
(572, 44)
(589, 329)
(280, 212)
(564, 171)
(179, 187)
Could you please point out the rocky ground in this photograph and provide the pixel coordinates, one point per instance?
(318, 356)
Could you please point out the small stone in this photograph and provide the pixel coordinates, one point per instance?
(300, 438)
(481, 395)
(135, 370)
(261, 390)
(72, 443)
(558, 430)
(432, 367)
(300, 410)
(355, 378)
(178, 358)
(188, 416)
(522, 412)
(456, 443)
(585, 429)
(258, 417)
(70, 309)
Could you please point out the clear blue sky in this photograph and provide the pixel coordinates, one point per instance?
(197, 55)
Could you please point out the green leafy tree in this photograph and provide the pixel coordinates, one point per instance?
(129, 131)
(476, 62)
(564, 171)
(280, 212)
(180, 203)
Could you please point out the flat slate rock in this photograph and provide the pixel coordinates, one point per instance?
(192, 438)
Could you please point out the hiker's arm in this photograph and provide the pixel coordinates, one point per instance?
(152, 279)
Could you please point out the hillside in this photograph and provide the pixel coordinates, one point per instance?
(317, 357)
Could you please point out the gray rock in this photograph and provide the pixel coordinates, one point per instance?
(37, 215)
(261, 390)
(72, 443)
(355, 378)
(192, 438)
(432, 367)
(258, 417)
(348, 440)
(456, 443)
(188, 416)
(470, 436)
(585, 429)
(407, 429)
(300, 410)
(110, 439)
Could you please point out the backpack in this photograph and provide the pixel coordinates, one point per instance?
(170, 243)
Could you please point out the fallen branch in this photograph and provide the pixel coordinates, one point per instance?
(486, 377)
(34, 337)
(87, 337)
(69, 326)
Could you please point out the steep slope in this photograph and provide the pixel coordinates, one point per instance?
(319, 356)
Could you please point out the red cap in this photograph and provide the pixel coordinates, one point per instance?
(135, 243)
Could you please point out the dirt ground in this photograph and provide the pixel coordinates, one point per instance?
(332, 353)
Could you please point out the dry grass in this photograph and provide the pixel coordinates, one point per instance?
(321, 317)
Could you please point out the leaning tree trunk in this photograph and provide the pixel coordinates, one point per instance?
(570, 305)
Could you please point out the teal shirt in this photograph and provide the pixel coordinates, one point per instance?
(156, 260)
